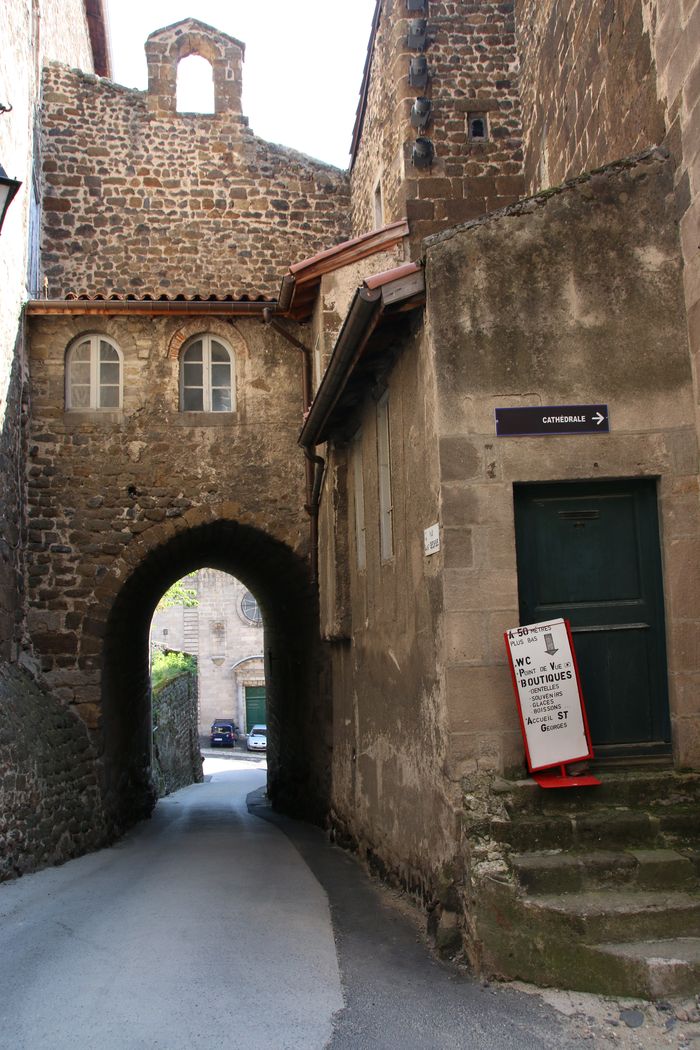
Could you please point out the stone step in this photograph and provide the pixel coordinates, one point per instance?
(570, 872)
(652, 969)
(625, 915)
(637, 789)
(599, 829)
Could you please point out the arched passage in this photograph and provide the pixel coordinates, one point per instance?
(298, 751)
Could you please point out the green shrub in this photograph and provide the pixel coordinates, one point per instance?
(169, 664)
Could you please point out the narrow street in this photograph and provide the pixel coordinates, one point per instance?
(210, 927)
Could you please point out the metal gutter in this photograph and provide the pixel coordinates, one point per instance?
(359, 324)
(372, 298)
(144, 308)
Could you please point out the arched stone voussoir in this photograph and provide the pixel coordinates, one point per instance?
(213, 326)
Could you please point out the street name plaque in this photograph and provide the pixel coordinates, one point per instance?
(541, 420)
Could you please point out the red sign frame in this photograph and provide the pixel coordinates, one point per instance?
(584, 716)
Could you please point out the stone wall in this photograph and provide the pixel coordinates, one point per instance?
(177, 761)
(122, 504)
(472, 72)
(149, 203)
(50, 807)
(588, 85)
(31, 33)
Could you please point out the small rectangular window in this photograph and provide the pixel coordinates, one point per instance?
(318, 364)
(359, 497)
(386, 509)
(378, 205)
(477, 127)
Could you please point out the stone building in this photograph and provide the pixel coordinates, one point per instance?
(225, 631)
(253, 362)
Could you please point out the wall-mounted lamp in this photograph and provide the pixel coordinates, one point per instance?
(420, 113)
(8, 189)
(418, 71)
(423, 153)
(417, 34)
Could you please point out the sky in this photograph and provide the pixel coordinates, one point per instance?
(303, 62)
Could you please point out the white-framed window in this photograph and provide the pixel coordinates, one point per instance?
(93, 374)
(386, 509)
(206, 375)
(359, 499)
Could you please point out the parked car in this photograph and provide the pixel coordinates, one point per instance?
(257, 738)
(223, 733)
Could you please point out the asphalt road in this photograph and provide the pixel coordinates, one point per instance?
(209, 927)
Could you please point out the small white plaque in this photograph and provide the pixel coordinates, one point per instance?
(431, 539)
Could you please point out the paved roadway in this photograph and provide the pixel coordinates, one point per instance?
(209, 927)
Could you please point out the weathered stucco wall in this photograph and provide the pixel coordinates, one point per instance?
(390, 795)
(472, 69)
(571, 298)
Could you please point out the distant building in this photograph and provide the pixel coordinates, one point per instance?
(225, 632)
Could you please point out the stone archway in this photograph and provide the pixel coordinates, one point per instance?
(298, 773)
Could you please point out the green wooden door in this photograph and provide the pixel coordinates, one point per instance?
(255, 712)
(590, 552)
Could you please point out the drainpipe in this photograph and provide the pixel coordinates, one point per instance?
(314, 465)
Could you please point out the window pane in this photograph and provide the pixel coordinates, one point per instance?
(108, 352)
(109, 397)
(81, 352)
(193, 375)
(219, 352)
(221, 375)
(109, 375)
(80, 373)
(194, 352)
(193, 400)
(79, 396)
(221, 400)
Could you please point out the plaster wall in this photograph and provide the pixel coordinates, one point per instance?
(385, 625)
(572, 298)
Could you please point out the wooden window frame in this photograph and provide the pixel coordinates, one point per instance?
(206, 340)
(94, 339)
(386, 507)
(359, 502)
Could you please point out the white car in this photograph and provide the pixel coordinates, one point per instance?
(257, 738)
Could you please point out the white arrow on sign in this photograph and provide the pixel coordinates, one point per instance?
(598, 418)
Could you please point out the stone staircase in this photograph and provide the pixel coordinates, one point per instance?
(596, 889)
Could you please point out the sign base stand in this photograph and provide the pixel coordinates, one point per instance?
(563, 780)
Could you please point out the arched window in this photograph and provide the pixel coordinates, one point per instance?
(206, 376)
(93, 374)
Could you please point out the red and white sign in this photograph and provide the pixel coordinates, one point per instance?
(548, 692)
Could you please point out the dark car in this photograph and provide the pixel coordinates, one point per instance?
(223, 733)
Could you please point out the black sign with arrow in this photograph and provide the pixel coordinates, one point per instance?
(552, 419)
